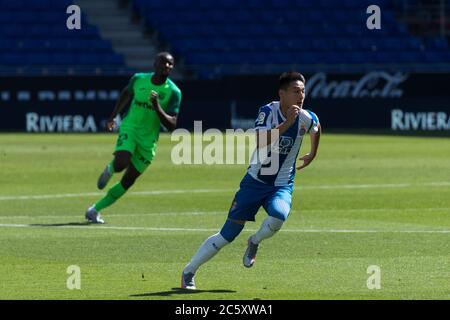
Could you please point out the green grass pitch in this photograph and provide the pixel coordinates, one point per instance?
(365, 200)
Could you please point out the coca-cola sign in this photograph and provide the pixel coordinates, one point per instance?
(376, 84)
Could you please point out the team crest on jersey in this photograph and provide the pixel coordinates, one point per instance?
(302, 130)
(261, 118)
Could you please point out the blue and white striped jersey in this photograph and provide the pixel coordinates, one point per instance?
(276, 165)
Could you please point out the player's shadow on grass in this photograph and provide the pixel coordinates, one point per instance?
(61, 224)
(179, 291)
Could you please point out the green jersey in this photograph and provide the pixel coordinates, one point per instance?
(140, 115)
(139, 130)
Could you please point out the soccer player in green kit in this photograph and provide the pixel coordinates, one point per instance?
(155, 100)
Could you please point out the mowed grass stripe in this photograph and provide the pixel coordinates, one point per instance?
(158, 192)
(199, 213)
(88, 226)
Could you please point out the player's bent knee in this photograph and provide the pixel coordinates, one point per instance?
(275, 224)
(231, 229)
(121, 164)
(279, 209)
(279, 215)
(121, 161)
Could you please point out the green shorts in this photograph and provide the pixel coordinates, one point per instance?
(141, 146)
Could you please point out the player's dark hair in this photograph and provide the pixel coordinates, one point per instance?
(163, 54)
(287, 77)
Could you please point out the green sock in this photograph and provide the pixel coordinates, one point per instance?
(112, 195)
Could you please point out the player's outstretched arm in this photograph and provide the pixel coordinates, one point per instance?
(309, 157)
(124, 99)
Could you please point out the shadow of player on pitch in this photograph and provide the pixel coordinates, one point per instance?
(175, 291)
(86, 223)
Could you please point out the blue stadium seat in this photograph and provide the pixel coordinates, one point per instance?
(437, 43)
(335, 57)
(202, 59)
(242, 44)
(25, 17)
(244, 16)
(303, 4)
(52, 17)
(341, 16)
(219, 44)
(193, 16)
(409, 57)
(64, 59)
(10, 59)
(226, 58)
(40, 31)
(355, 29)
(386, 57)
(322, 44)
(179, 31)
(101, 45)
(216, 16)
(330, 30)
(227, 4)
(15, 5)
(59, 45)
(60, 4)
(255, 58)
(254, 4)
(357, 57)
(345, 44)
(14, 31)
(437, 56)
(33, 45)
(89, 59)
(307, 30)
(40, 5)
(180, 5)
(328, 4)
(115, 59)
(257, 30)
(37, 59)
(7, 45)
(307, 57)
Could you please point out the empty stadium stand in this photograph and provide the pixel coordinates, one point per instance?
(265, 36)
(220, 37)
(34, 39)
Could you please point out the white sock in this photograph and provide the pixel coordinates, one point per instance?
(268, 228)
(207, 250)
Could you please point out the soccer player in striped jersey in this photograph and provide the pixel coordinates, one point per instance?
(280, 128)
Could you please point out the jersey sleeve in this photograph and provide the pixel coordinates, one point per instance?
(263, 121)
(131, 83)
(313, 125)
(173, 106)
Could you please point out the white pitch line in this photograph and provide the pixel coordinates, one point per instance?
(215, 230)
(368, 186)
(183, 191)
(198, 213)
(192, 213)
(96, 194)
